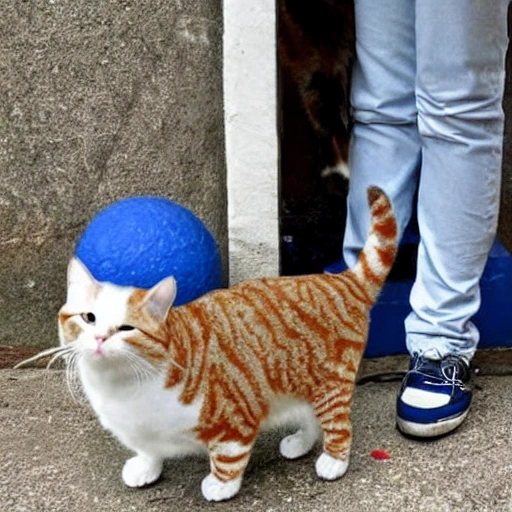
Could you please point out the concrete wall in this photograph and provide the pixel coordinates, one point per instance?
(99, 101)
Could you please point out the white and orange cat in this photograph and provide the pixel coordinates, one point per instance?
(210, 374)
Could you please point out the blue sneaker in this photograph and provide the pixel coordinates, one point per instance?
(435, 397)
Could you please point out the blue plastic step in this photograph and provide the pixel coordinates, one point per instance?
(494, 319)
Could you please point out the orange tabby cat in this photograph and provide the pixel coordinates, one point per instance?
(210, 374)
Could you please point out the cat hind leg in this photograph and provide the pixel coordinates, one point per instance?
(302, 441)
(141, 470)
(333, 412)
(298, 444)
(228, 461)
(330, 468)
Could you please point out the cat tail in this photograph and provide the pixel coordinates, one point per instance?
(378, 254)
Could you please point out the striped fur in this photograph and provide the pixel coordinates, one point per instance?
(237, 356)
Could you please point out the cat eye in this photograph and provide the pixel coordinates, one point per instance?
(126, 327)
(90, 318)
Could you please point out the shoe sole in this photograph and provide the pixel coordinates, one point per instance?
(430, 429)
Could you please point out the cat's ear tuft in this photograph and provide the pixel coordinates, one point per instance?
(161, 297)
(81, 284)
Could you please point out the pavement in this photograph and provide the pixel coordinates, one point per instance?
(56, 457)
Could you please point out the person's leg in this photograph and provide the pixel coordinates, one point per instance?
(460, 52)
(385, 146)
(460, 78)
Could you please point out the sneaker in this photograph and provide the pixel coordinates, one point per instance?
(435, 397)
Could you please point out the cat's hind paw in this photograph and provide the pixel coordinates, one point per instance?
(330, 468)
(296, 445)
(139, 471)
(214, 489)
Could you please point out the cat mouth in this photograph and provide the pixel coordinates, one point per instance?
(99, 353)
(102, 353)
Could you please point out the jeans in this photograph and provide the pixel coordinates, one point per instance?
(427, 103)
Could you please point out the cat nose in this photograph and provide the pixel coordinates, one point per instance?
(100, 339)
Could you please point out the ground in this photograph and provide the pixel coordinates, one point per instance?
(56, 457)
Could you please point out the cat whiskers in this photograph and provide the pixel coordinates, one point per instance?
(174, 363)
(72, 379)
(56, 352)
(69, 354)
(164, 343)
(141, 368)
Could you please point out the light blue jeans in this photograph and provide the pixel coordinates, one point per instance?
(427, 103)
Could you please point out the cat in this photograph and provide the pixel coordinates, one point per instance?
(316, 47)
(210, 374)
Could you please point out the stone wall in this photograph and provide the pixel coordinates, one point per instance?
(99, 101)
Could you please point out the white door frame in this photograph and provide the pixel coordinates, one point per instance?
(250, 119)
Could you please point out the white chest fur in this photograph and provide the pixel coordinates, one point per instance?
(144, 415)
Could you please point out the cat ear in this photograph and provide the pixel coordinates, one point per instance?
(161, 297)
(82, 286)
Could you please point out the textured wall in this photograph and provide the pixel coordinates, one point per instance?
(98, 101)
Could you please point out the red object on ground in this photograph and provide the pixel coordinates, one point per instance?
(380, 454)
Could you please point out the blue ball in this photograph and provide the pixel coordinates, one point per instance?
(139, 241)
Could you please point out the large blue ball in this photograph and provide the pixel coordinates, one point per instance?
(139, 241)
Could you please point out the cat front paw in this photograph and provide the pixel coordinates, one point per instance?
(214, 489)
(139, 471)
(330, 468)
(296, 445)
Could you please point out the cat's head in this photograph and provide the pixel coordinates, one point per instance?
(106, 323)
